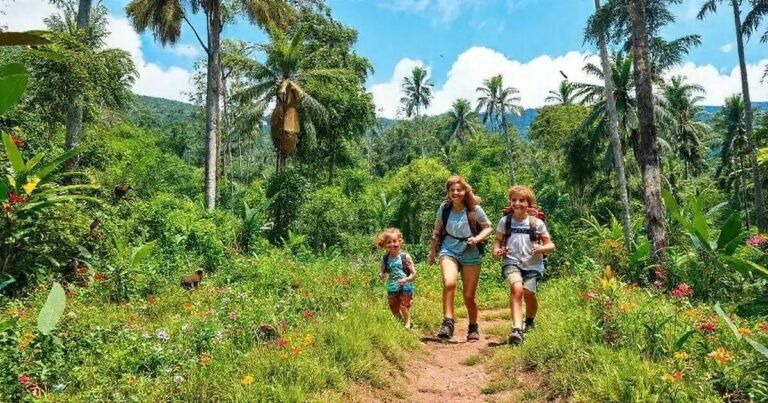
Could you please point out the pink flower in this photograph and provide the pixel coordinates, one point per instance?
(756, 240)
(281, 343)
(308, 314)
(24, 379)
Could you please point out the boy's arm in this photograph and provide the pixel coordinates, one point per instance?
(498, 251)
(546, 247)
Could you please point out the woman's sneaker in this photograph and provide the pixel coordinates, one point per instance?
(516, 336)
(446, 329)
(473, 334)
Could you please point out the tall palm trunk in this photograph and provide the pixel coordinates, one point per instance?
(213, 95)
(75, 108)
(756, 177)
(508, 148)
(649, 151)
(613, 125)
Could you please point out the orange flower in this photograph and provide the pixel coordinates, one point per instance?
(674, 378)
(309, 340)
(71, 294)
(762, 327)
(151, 300)
(205, 358)
(721, 355)
(625, 307)
(100, 277)
(745, 332)
(296, 350)
(188, 306)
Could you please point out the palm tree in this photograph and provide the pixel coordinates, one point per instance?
(752, 22)
(75, 109)
(648, 143)
(461, 120)
(280, 79)
(165, 17)
(496, 100)
(680, 99)
(711, 6)
(734, 151)
(613, 129)
(417, 90)
(564, 94)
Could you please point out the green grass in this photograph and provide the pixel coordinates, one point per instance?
(471, 360)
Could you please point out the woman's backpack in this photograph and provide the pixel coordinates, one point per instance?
(474, 226)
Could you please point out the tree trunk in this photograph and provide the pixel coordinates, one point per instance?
(756, 177)
(212, 104)
(75, 108)
(648, 144)
(508, 148)
(613, 125)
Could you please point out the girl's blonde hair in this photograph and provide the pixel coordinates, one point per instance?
(386, 235)
(470, 200)
(524, 191)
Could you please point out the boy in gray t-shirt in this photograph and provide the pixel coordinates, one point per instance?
(521, 240)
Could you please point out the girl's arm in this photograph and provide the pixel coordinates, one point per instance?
(382, 270)
(546, 247)
(484, 233)
(435, 241)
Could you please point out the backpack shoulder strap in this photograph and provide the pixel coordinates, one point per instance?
(472, 221)
(533, 222)
(445, 213)
(507, 228)
(404, 259)
(385, 261)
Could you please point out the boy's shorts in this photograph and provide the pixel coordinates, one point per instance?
(513, 274)
(401, 298)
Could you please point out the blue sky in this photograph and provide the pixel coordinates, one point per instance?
(528, 41)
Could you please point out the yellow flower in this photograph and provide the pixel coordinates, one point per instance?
(26, 340)
(681, 356)
(626, 307)
(247, 380)
(745, 332)
(721, 355)
(674, 378)
(31, 185)
(309, 340)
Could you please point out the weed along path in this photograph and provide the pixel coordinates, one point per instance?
(456, 371)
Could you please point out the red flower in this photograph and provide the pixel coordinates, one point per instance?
(707, 326)
(100, 277)
(608, 303)
(19, 142)
(308, 314)
(16, 199)
(24, 379)
(683, 290)
(71, 294)
(81, 270)
(281, 342)
(151, 300)
(283, 324)
(588, 296)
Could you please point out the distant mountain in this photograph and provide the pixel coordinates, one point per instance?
(159, 112)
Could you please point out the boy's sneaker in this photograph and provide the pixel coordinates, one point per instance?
(516, 336)
(529, 325)
(473, 334)
(446, 329)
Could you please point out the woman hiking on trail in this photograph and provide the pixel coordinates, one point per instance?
(460, 228)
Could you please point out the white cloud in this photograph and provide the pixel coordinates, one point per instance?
(727, 48)
(722, 85)
(153, 80)
(185, 50)
(690, 9)
(448, 9)
(535, 78)
(404, 5)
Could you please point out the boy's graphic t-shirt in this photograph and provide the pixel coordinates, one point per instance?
(397, 270)
(458, 225)
(519, 246)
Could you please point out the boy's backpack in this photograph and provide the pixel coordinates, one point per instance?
(531, 230)
(474, 226)
(385, 260)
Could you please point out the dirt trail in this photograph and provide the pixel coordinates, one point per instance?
(442, 375)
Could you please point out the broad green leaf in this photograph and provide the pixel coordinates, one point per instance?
(681, 341)
(699, 222)
(13, 82)
(27, 38)
(641, 253)
(731, 230)
(140, 253)
(671, 203)
(8, 282)
(757, 346)
(745, 266)
(34, 160)
(47, 54)
(17, 163)
(3, 191)
(52, 310)
(48, 169)
(727, 320)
